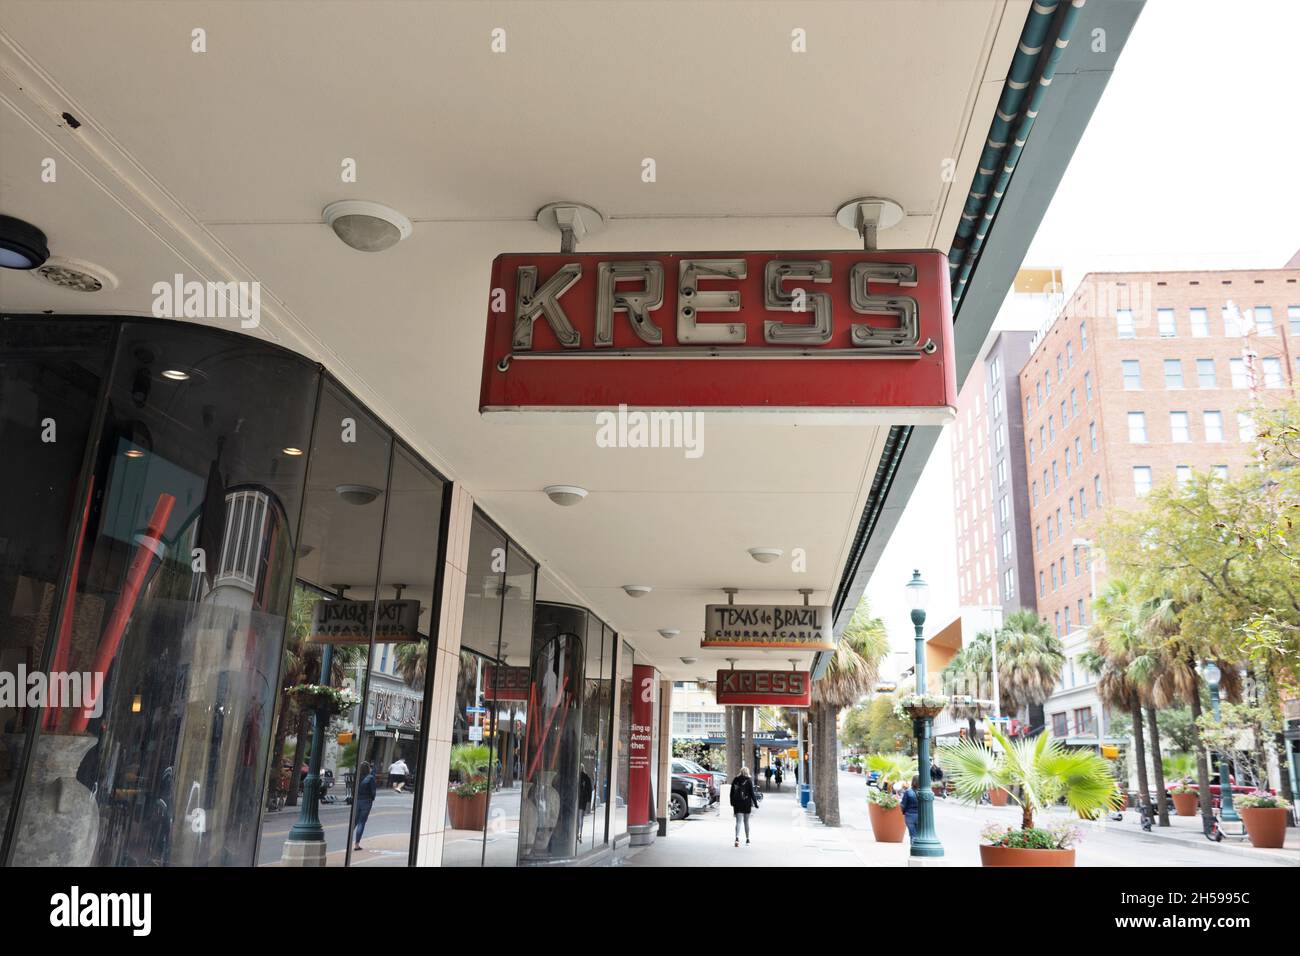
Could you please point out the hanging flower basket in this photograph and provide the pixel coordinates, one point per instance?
(319, 697)
(917, 706)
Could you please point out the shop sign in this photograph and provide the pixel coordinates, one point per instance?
(393, 708)
(506, 683)
(776, 331)
(640, 738)
(800, 627)
(349, 622)
(783, 688)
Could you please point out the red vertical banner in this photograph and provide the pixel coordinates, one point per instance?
(640, 737)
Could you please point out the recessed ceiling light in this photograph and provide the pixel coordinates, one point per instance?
(366, 226)
(290, 450)
(22, 245)
(669, 632)
(176, 375)
(637, 590)
(134, 453)
(765, 555)
(358, 494)
(566, 496)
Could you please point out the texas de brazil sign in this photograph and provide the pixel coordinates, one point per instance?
(799, 627)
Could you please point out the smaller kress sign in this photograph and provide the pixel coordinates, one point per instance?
(783, 688)
(800, 627)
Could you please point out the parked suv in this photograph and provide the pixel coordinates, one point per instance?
(715, 781)
(687, 794)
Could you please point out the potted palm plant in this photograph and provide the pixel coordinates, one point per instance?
(887, 824)
(1044, 771)
(467, 797)
(1179, 767)
(1265, 817)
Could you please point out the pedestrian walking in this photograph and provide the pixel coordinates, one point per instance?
(936, 781)
(778, 778)
(767, 771)
(911, 806)
(743, 801)
(365, 800)
(398, 771)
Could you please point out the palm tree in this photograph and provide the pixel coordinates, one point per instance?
(968, 673)
(852, 672)
(1030, 659)
(1117, 623)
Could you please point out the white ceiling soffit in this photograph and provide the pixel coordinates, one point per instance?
(217, 165)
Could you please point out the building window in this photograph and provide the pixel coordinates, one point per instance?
(1205, 373)
(1245, 427)
(1082, 621)
(1083, 335)
(1047, 383)
(1042, 437)
(1008, 584)
(1221, 472)
(999, 438)
(1067, 463)
(1038, 537)
(1087, 386)
(1035, 492)
(1264, 320)
(1137, 427)
(1070, 503)
(1165, 320)
(1058, 623)
(1124, 321)
(1184, 475)
(1132, 375)
(1092, 435)
(1273, 373)
(1004, 508)
(1293, 318)
(1038, 387)
(1031, 451)
(1058, 522)
(1173, 373)
(1141, 480)
(1237, 368)
(1042, 585)
(1069, 354)
(1096, 488)
(1002, 472)
(1060, 368)
(1200, 323)
(1179, 427)
(1067, 620)
(1054, 576)
(1078, 451)
(1083, 504)
(995, 371)
(1213, 426)
(1231, 321)
(1056, 475)
(1006, 545)
(997, 405)
(1083, 722)
(1051, 429)
(1074, 402)
(1060, 726)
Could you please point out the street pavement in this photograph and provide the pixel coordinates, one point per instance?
(785, 835)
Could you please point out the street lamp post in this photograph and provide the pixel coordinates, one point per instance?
(926, 842)
(1227, 811)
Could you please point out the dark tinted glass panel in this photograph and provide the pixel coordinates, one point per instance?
(318, 718)
(50, 376)
(394, 740)
(182, 580)
(621, 766)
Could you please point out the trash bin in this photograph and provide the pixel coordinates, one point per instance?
(805, 794)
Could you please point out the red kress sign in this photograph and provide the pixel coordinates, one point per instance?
(786, 688)
(803, 331)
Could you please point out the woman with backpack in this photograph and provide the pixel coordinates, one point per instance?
(743, 801)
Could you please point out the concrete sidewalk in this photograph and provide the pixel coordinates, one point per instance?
(782, 834)
(1188, 831)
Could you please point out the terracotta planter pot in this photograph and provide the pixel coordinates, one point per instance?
(998, 797)
(1009, 856)
(887, 826)
(1266, 826)
(1184, 804)
(467, 813)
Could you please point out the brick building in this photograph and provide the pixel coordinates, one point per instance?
(1143, 378)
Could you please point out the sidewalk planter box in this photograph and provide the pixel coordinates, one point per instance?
(998, 797)
(887, 826)
(1184, 804)
(1012, 856)
(1266, 826)
(467, 813)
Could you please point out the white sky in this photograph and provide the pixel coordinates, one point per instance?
(1189, 162)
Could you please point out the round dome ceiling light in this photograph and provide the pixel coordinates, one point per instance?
(358, 494)
(76, 275)
(765, 555)
(366, 226)
(291, 451)
(22, 245)
(669, 632)
(637, 590)
(566, 496)
(176, 375)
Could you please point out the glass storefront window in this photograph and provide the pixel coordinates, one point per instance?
(329, 647)
(393, 741)
(591, 805)
(50, 380)
(179, 587)
(621, 763)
